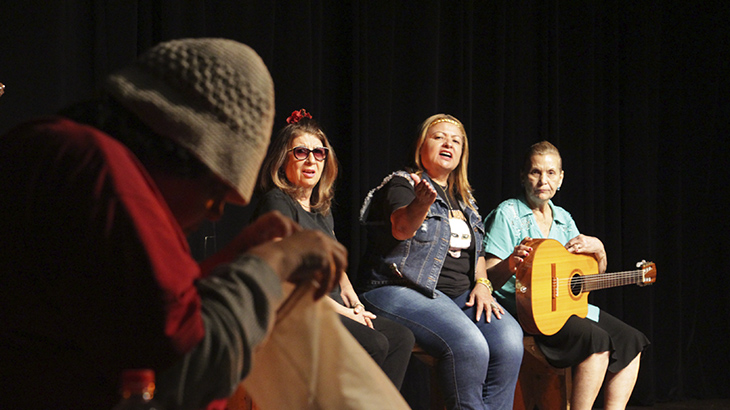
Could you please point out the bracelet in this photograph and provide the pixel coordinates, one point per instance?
(487, 283)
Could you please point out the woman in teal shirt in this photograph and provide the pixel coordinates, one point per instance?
(602, 349)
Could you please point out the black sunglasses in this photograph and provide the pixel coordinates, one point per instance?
(301, 153)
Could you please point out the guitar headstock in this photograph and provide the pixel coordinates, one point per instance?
(648, 272)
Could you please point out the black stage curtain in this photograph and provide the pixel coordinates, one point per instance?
(634, 93)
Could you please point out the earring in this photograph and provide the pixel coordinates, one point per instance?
(558, 189)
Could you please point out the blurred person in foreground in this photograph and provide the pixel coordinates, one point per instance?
(97, 274)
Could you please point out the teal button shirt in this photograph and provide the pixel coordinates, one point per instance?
(511, 222)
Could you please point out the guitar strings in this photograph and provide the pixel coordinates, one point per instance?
(603, 278)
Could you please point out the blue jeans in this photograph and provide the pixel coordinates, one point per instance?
(478, 362)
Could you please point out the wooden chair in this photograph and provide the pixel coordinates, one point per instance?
(541, 385)
(436, 399)
(241, 400)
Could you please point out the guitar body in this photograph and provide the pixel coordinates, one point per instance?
(543, 294)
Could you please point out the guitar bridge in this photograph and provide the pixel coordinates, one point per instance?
(554, 273)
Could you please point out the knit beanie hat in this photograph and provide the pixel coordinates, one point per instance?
(214, 97)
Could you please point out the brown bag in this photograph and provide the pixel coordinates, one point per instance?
(310, 361)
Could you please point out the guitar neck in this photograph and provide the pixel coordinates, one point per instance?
(610, 280)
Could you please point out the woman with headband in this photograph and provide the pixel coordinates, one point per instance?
(424, 267)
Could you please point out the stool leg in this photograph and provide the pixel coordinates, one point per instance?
(540, 385)
(519, 403)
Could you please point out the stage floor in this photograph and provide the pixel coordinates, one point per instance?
(717, 404)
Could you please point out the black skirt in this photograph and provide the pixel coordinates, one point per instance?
(581, 337)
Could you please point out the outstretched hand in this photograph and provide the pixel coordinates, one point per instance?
(425, 193)
(407, 219)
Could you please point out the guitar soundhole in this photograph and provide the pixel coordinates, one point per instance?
(576, 284)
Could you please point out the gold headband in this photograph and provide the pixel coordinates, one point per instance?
(444, 120)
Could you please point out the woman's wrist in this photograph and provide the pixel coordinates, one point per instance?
(485, 282)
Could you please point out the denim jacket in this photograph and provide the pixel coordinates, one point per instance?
(416, 262)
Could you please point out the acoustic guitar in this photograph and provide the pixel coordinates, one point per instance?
(553, 284)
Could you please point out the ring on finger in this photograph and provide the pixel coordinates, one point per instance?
(358, 308)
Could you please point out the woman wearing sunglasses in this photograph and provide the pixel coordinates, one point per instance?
(297, 179)
(424, 267)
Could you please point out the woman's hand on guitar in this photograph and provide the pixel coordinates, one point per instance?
(519, 254)
(584, 244)
(589, 245)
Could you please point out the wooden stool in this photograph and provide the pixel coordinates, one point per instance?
(541, 385)
(436, 401)
(241, 400)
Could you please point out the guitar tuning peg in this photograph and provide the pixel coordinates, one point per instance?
(641, 264)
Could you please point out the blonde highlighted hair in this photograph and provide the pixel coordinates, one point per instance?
(458, 178)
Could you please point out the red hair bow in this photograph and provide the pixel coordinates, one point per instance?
(297, 116)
